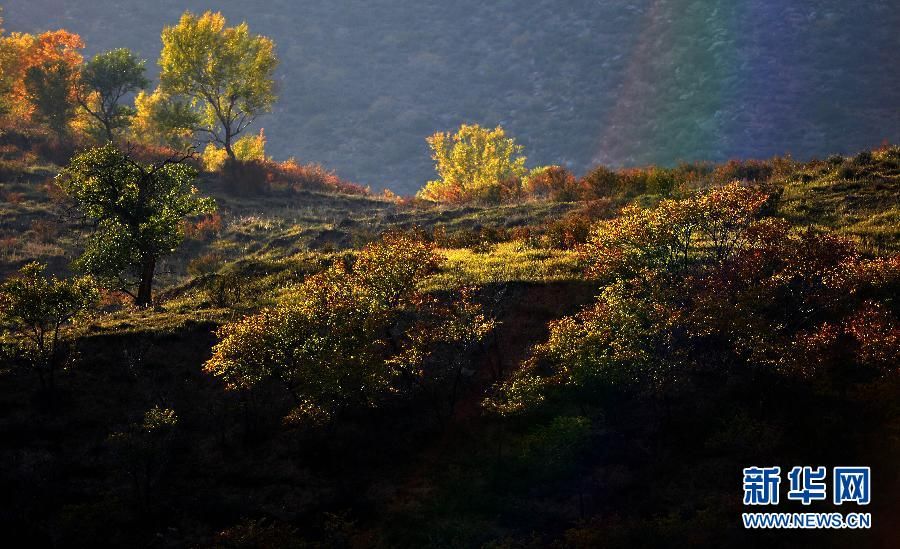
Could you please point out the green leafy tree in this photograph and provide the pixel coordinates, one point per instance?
(137, 210)
(49, 87)
(105, 80)
(34, 309)
(227, 72)
(472, 164)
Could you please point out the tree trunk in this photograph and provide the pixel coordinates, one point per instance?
(227, 143)
(145, 288)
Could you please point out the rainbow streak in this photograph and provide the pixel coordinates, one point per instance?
(673, 103)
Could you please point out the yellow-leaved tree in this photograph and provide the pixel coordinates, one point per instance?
(473, 164)
(161, 119)
(226, 72)
(248, 148)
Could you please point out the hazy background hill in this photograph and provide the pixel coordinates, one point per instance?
(362, 82)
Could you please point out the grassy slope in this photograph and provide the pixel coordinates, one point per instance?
(276, 240)
(857, 196)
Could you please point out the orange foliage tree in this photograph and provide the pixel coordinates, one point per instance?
(21, 52)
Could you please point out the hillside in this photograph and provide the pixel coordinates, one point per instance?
(141, 443)
(577, 82)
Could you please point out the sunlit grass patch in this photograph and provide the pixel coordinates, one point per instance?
(855, 196)
(505, 262)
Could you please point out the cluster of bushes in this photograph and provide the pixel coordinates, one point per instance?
(352, 335)
(34, 311)
(205, 228)
(481, 165)
(711, 283)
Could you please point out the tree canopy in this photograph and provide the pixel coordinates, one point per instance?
(105, 80)
(50, 88)
(50, 58)
(710, 282)
(343, 338)
(227, 72)
(162, 119)
(137, 210)
(472, 163)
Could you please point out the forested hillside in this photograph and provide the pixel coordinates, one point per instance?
(578, 82)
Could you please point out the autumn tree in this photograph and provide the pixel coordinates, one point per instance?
(675, 232)
(44, 56)
(347, 337)
(137, 212)
(472, 164)
(34, 311)
(105, 80)
(163, 119)
(50, 91)
(227, 72)
(5, 81)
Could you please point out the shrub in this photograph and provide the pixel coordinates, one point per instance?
(313, 177)
(203, 229)
(472, 163)
(553, 182)
(704, 284)
(674, 232)
(14, 197)
(258, 176)
(213, 158)
(44, 231)
(8, 245)
(609, 343)
(601, 182)
(632, 182)
(345, 337)
(206, 264)
(143, 450)
(568, 231)
(660, 181)
(229, 287)
(250, 148)
(34, 310)
(753, 171)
